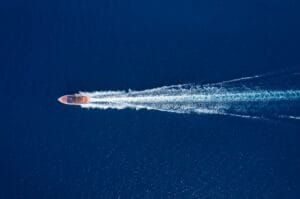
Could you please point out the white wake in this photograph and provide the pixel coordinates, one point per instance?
(235, 97)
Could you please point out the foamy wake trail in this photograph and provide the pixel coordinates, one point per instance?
(239, 97)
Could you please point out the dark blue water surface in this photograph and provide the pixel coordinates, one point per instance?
(56, 47)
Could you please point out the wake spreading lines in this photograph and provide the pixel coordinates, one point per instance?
(239, 97)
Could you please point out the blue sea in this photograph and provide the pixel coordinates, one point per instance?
(56, 47)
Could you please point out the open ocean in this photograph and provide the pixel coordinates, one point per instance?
(56, 47)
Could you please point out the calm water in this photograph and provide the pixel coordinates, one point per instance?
(57, 47)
